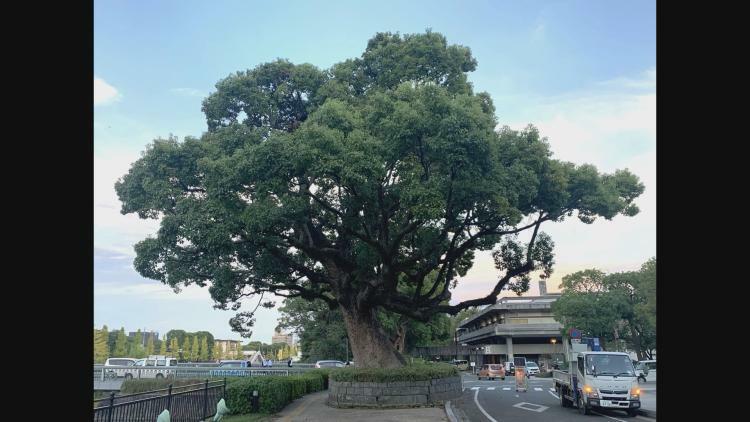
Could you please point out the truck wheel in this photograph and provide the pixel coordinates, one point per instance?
(563, 401)
(159, 376)
(582, 407)
(128, 376)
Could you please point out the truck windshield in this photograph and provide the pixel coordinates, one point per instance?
(616, 365)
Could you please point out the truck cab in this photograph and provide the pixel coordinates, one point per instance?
(598, 379)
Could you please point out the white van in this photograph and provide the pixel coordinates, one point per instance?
(154, 366)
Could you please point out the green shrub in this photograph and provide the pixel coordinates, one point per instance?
(275, 392)
(133, 386)
(414, 372)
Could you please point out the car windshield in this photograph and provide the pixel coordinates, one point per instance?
(531, 365)
(495, 367)
(616, 365)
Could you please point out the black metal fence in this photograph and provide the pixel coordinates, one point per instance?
(188, 403)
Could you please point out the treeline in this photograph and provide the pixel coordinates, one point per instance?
(278, 351)
(192, 347)
(619, 308)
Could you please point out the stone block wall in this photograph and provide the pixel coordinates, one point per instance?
(393, 394)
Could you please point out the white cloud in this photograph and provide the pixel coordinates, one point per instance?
(610, 128)
(647, 80)
(105, 93)
(188, 92)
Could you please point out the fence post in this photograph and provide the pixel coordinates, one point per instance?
(224, 393)
(205, 400)
(169, 398)
(111, 406)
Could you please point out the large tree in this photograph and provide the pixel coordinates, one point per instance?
(352, 185)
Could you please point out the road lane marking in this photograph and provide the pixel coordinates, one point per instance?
(476, 394)
(536, 407)
(610, 417)
(554, 395)
(475, 388)
(506, 388)
(537, 389)
(490, 388)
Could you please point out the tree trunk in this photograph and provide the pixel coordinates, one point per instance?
(400, 339)
(371, 346)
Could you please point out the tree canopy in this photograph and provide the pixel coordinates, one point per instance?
(353, 185)
(617, 306)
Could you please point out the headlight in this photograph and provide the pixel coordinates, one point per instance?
(635, 392)
(589, 391)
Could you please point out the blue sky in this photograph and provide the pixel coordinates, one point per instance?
(582, 71)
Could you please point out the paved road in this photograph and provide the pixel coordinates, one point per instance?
(498, 401)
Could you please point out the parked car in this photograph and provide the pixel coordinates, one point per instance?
(510, 368)
(492, 371)
(646, 370)
(233, 364)
(329, 364)
(532, 368)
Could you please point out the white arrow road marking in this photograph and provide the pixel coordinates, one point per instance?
(475, 388)
(528, 406)
(476, 393)
(610, 417)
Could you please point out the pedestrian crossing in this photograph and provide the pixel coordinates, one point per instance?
(507, 389)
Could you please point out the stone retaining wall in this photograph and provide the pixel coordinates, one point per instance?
(393, 394)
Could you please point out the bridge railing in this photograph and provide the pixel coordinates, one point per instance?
(138, 372)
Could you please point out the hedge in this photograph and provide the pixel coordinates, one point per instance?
(414, 372)
(275, 392)
(132, 386)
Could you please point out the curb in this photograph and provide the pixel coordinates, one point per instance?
(647, 413)
(449, 412)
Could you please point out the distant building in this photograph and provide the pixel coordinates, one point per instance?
(279, 337)
(145, 336)
(228, 346)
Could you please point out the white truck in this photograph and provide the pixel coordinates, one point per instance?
(597, 379)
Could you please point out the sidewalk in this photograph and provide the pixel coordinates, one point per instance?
(312, 407)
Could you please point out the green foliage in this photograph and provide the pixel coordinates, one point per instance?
(101, 347)
(195, 350)
(150, 346)
(216, 352)
(121, 344)
(163, 347)
(275, 392)
(204, 349)
(608, 306)
(370, 186)
(414, 372)
(187, 350)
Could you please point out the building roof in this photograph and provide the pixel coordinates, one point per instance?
(519, 302)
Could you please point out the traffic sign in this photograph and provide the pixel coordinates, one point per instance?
(574, 333)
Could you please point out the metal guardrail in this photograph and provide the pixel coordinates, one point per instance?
(194, 403)
(177, 372)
